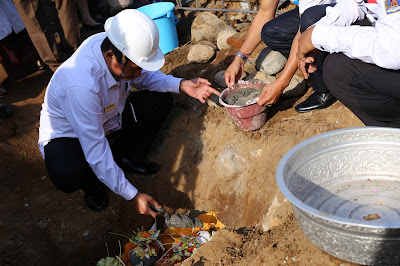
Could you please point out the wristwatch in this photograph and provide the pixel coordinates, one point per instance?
(243, 55)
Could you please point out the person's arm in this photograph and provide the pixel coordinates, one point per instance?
(83, 110)
(343, 14)
(273, 90)
(377, 45)
(197, 88)
(266, 12)
(156, 81)
(306, 53)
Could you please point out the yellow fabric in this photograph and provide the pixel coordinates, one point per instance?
(210, 220)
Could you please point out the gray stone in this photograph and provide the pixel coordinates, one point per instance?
(250, 65)
(261, 57)
(213, 101)
(230, 163)
(270, 62)
(251, 76)
(243, 26)
(263, 77)
(206, 26)
(220, 79)
(223, 35)
(200, 53)
(296, 87)
(236, 16)
(209, 44)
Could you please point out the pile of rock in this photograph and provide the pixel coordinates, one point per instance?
(210, 33)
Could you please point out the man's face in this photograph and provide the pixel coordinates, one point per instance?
(131, 70)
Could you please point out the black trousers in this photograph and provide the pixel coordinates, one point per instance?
(372, 93)
(66, 164)
(278, 34)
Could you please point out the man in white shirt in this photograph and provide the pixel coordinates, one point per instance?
(281, 34)
(363, 68)
(91, 125)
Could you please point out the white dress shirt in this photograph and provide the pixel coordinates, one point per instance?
(83, 101)
(304, 4)
(378, 44)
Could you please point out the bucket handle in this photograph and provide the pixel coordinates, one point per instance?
(171, 15)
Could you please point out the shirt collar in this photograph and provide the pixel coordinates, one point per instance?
(110, 81)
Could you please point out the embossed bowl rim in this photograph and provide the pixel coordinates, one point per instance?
(280, 178)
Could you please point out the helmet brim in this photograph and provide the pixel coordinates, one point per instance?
(154, 64)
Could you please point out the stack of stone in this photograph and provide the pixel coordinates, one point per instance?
(210, 33)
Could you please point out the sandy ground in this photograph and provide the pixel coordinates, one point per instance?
(207, 164)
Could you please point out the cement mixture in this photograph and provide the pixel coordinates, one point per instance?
(182, 221)
(243, 97)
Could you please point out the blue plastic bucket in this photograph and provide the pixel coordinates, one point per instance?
(162, 14)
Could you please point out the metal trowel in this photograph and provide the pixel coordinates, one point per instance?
(178, 220)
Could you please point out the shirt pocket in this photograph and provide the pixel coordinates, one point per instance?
(110, 113)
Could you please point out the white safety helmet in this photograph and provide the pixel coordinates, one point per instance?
(136, 35)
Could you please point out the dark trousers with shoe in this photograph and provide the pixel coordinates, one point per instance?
(370, 92)
(278, 34)
(66, 164)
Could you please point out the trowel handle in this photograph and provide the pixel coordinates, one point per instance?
(155, 209)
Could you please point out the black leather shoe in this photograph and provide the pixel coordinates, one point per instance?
(140, 168)
(97, 200)
(317, 100)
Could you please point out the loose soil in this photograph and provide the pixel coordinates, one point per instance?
(207, 164)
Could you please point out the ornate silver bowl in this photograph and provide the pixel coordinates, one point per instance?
(344, 187)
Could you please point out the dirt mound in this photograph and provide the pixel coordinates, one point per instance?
(207, 163)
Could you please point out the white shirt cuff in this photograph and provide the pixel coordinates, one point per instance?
(174, 83)
(320, 36)
(129, 192)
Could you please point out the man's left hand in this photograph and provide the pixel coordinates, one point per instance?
(306, 54)
(198, 88)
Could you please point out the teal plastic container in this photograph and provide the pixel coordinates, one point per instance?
(162, 14)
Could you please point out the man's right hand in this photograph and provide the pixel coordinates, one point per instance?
(234, 71)
(142, 203)
(307, 53)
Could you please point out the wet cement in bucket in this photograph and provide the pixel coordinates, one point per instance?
(243, 97)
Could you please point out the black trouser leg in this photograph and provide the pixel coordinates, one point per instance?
(278, 34)
(309, 18)
(370, 92)
(67, 167)
(151, 109)
(64, 157)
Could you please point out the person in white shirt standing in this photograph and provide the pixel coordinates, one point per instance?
(93, 128)
(363, 68)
